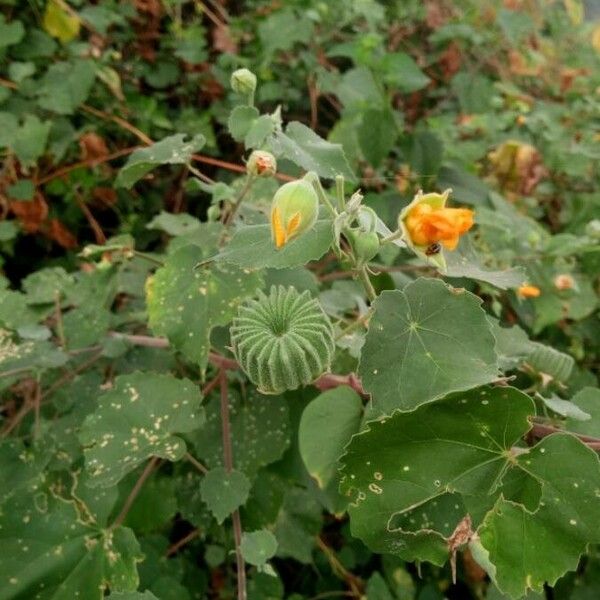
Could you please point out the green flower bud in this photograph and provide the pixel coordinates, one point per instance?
(213, 213)
(243, 81)
(592, 229)
(261, 164)
(365, 245)
(283, 340)
(294, 210)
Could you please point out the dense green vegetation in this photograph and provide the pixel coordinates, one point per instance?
(217, 383)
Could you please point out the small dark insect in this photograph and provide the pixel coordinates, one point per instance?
(433, 249)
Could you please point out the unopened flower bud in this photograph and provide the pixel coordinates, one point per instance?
(213, 213)
(243, 81)
(354, 202)
(564, 281)
(294, 210)
(365, 245)
(592, 229)
(261, 164)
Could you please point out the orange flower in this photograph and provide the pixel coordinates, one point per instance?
(528, 291)
(428, 225)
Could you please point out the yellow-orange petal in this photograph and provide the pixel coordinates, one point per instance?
(528, 291)
(293, 224)
(277, 228)
(450, 243)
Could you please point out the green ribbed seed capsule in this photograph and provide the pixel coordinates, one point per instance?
(283, 340)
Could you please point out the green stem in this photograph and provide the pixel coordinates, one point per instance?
(393, 236)
(316, 183)
(339, 188)
(228, 464)
(245, 189)
(366, 281)
(149, 258)
(354, 325)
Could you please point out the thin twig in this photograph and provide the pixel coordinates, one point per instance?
(540, 430)
(65, 378)
(149, 258)
(150, 466)
(25, 408)
(90, 162)
(37, 399)
(118, 121)
(352, 581)
(60, 330)
(192, 535)
(215, 162)
(210, 14)
(98, 233)
(228, 462)
(238, 201)
(196, 463)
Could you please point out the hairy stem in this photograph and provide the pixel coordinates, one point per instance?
(228, 461)
(366, 281)
(245, 189)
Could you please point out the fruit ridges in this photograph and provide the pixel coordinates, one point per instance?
(283, 340)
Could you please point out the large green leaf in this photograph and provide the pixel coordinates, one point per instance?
(53, 550)
(424, 342)
(21, 468)
(326, 426)
(311, 152)
(529, 548)
(465, 262)
(253, 247)
(413, 477)
(404, 473)
(135, 420)
(172, 150)
(185, 304)
(377, 133)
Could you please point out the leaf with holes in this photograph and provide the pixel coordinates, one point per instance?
(51, 548)
(138, 419)
(405, 473)
(185, 304)
(549, 514)
(413, 477)
(423, 342)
